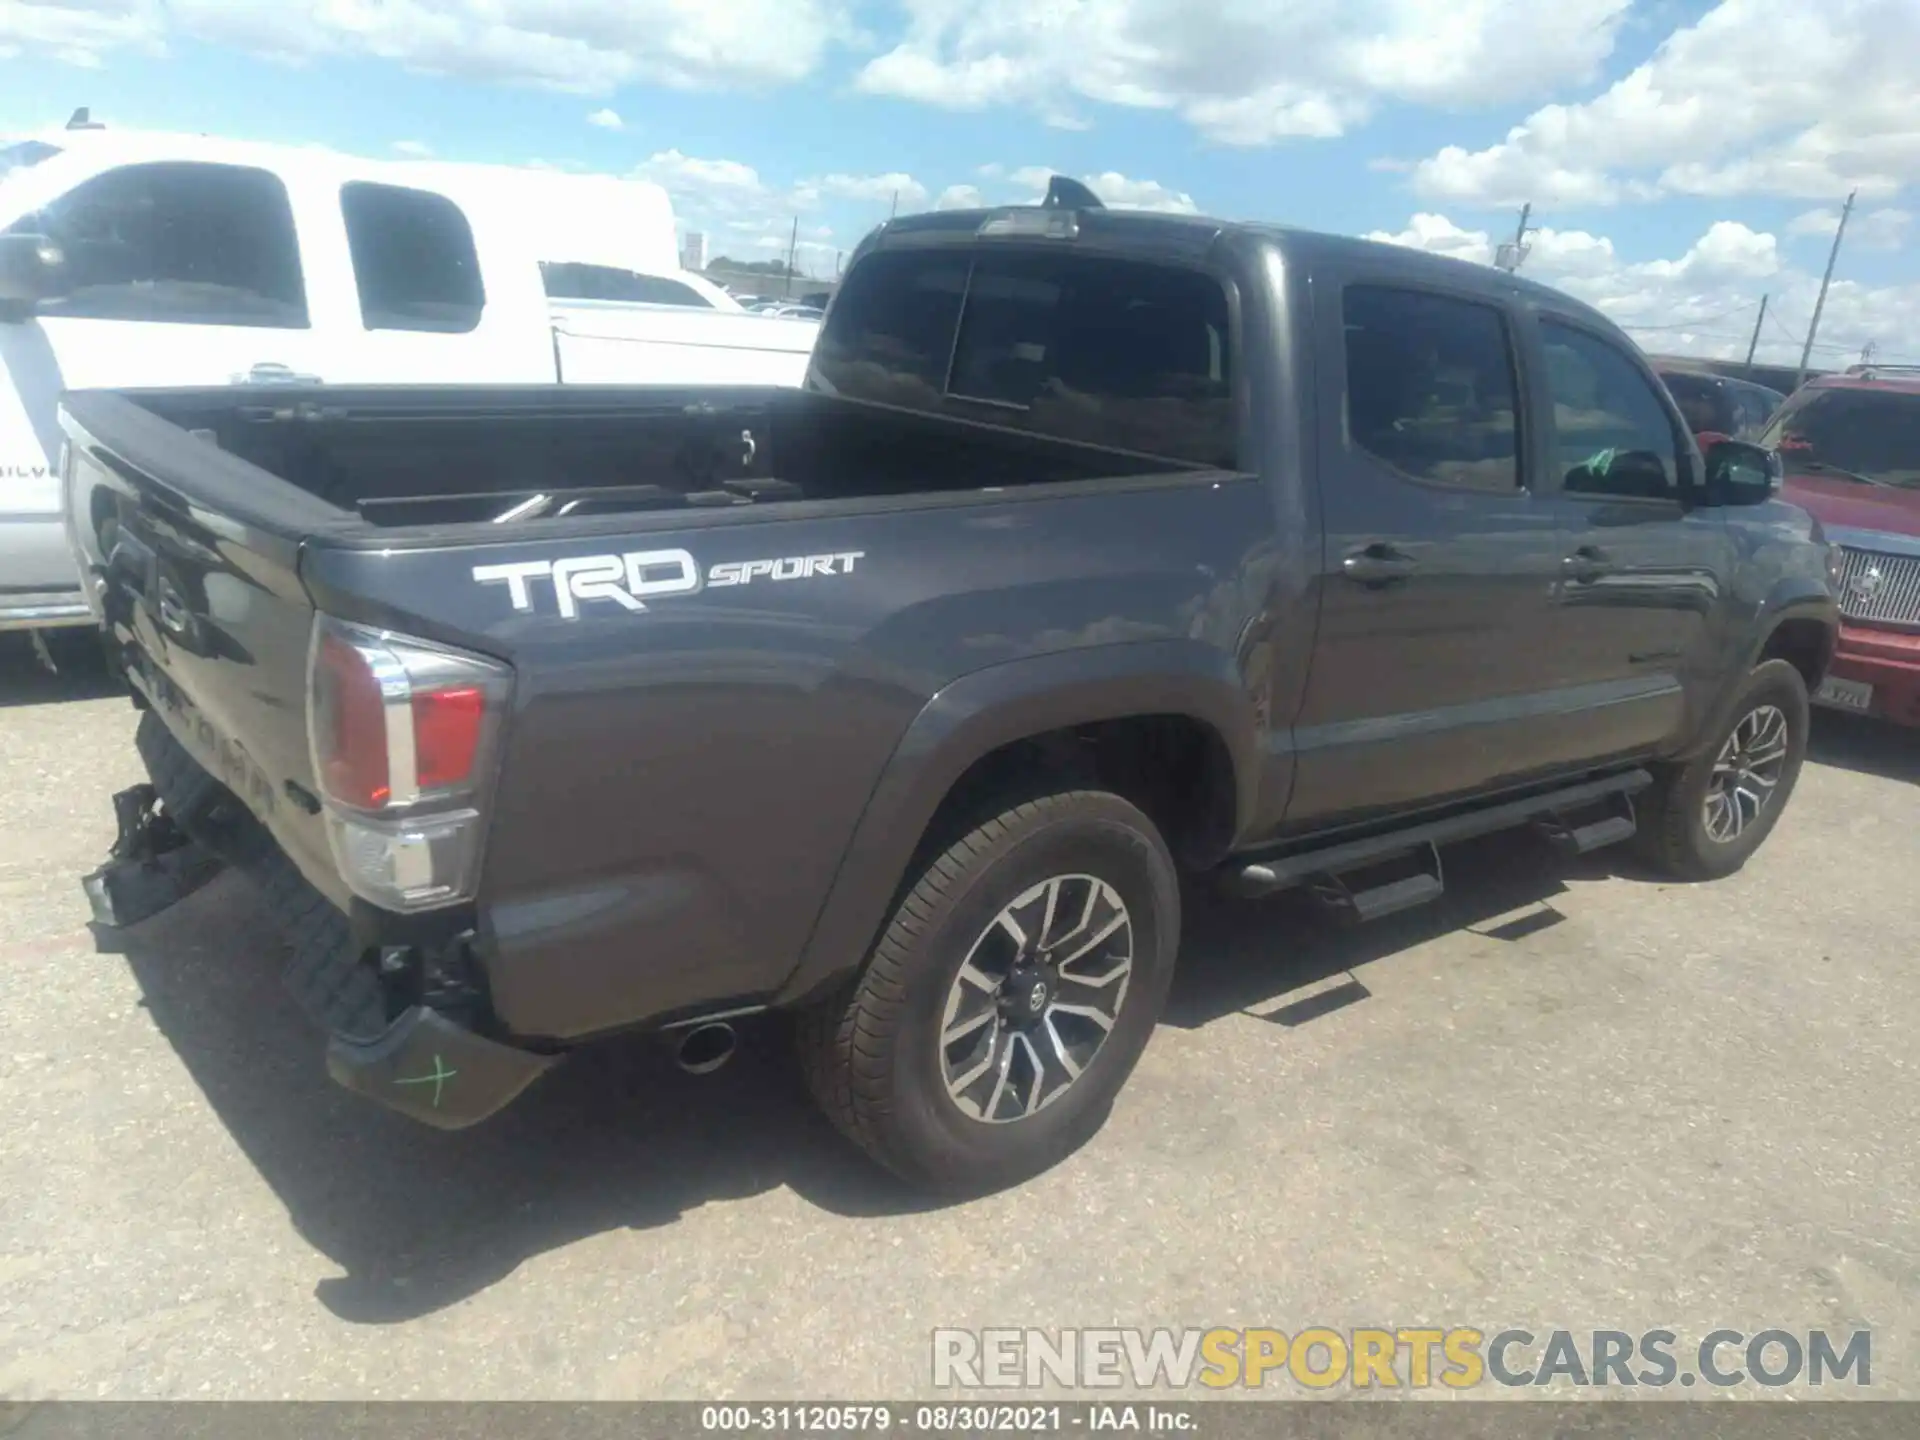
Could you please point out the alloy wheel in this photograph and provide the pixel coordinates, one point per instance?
(1036, 998)
(1746, 773)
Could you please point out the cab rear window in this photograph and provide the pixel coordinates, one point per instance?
(1119, 353)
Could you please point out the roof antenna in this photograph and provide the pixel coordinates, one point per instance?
(1065, 194)
(82, 119)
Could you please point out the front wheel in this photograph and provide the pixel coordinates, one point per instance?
(1009, 998)
(1704, 819)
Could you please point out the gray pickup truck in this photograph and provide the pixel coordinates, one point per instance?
(1097, 548)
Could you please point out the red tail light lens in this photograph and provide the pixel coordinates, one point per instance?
(402, 733)
(446, 735)
(350, 726)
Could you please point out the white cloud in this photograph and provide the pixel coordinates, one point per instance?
(730, 197)
(1805, 98)
(416, 149)
(881, 189)
(1884, 229)
(1814, 222)
(1704, 302)
(589, 46)
(960, 197)
(1245, 72)
(79, 32)
(1113, 188)
(607, 119)
(686, 173)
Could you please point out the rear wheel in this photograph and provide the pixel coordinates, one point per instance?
(1009, 998)
(1705, 818)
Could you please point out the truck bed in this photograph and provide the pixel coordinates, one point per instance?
(412, 457)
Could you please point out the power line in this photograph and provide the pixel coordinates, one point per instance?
(1695, 324)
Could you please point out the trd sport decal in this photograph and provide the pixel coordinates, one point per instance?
(632, 579)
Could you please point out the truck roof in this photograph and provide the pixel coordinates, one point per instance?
(1151, 232)
(584, 218)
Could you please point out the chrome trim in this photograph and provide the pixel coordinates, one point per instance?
(1884, 542)
(396, 701)
(1875, 586)
(42, 613)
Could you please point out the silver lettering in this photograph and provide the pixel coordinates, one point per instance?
(791, 568)
(726, 573)
(591, 577)
(684, 579)
(515, 578)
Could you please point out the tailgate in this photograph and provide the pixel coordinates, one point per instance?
(195, 573)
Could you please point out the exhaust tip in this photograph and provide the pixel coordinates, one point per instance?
(706, 1048)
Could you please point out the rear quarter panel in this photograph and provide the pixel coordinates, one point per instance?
(679, 785)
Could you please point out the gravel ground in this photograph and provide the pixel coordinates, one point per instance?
(1568, 1097)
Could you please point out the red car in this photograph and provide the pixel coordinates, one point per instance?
(1851, 448)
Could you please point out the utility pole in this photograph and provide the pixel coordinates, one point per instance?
(793, 249)
(1508, 257)
(893, 210)
(1820, 304)
(1866, 352)
(1754, 344)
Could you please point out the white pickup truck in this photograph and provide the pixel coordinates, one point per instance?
(133, 259)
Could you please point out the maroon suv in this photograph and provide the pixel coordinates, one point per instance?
(1851, 447)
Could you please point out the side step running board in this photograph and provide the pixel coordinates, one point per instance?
(1388, 897)
(1324, 866)
(1590, 831)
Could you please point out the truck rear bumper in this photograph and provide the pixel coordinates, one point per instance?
(422, 1062)
(434, 1070)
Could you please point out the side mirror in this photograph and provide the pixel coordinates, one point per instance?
(32, 268)
(1741, 474)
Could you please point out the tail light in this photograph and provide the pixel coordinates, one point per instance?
(403, 734)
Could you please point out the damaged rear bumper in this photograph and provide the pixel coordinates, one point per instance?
(436, 1071)
(400, 1020)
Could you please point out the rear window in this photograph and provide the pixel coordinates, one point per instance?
(1117, 353)
(1871, 435)
(413, 258)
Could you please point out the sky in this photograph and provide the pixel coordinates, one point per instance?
(1683, 158)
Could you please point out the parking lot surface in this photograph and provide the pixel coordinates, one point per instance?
(1568, 1096)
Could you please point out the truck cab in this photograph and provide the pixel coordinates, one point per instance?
(134, 260)
(1098, 551)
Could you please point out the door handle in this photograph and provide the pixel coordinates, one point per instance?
(1378, 564)
(1589, 562)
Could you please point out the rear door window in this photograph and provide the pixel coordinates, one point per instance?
(414, 260)
(1430, 387)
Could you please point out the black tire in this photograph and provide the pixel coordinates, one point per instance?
(1674, 836)
(872, 1054)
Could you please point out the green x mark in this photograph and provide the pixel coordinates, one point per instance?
(438, 1079)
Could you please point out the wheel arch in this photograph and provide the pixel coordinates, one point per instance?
(1795, 623)
(1018, 709)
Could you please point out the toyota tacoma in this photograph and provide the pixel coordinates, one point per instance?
(1097, 548)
